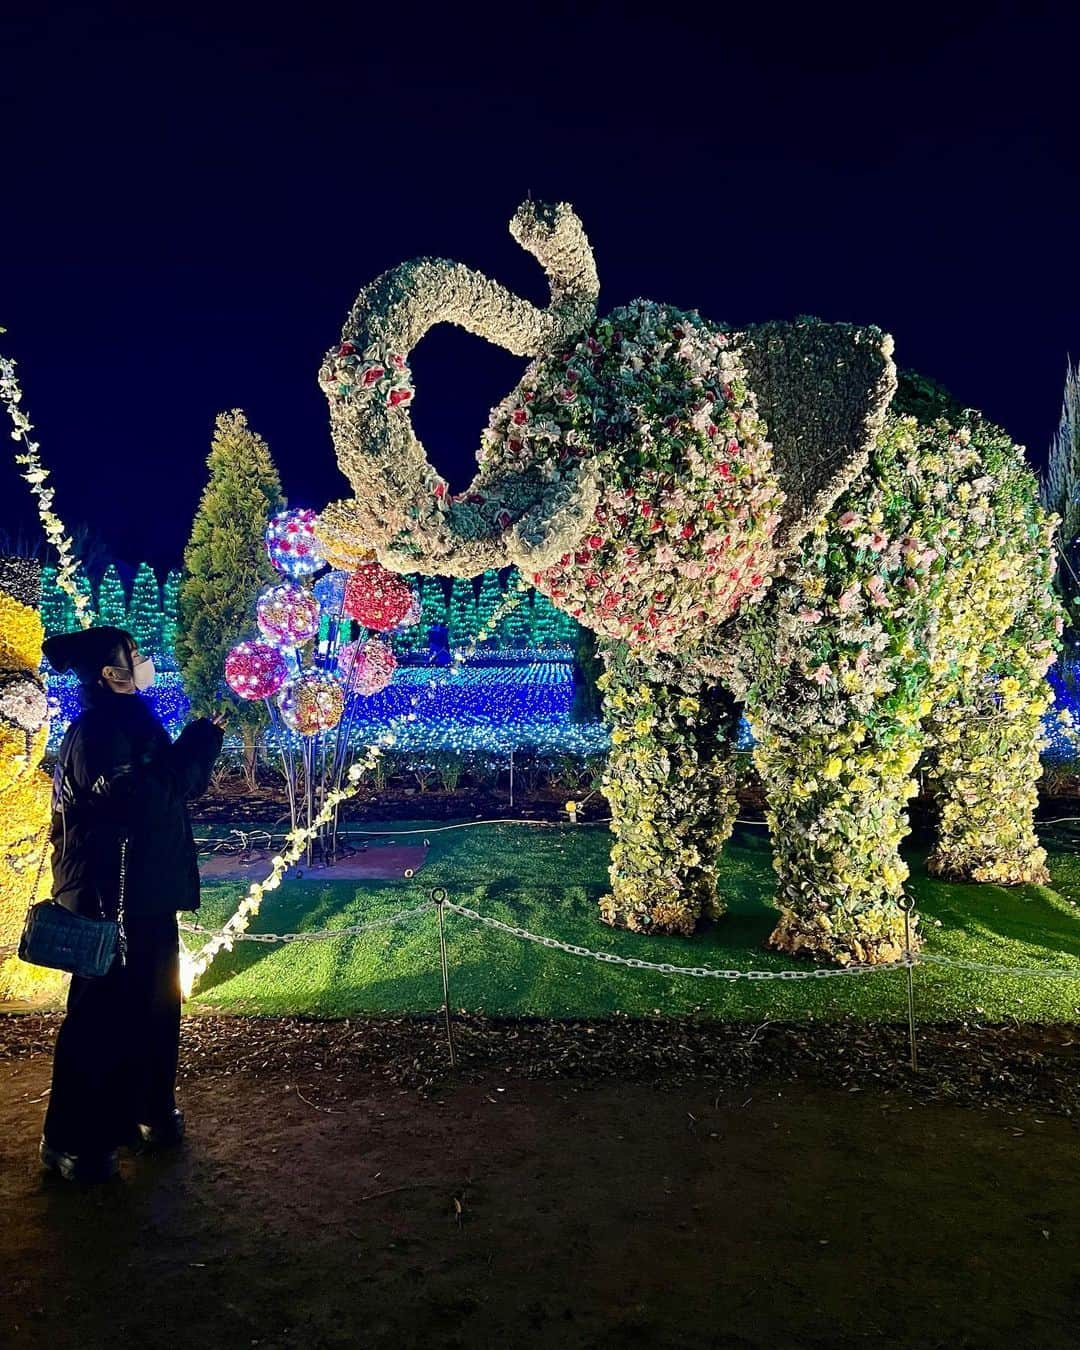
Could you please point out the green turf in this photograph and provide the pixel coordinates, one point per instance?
(548, 880)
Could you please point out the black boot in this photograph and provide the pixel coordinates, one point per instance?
(167, 1133)
(87, 1167)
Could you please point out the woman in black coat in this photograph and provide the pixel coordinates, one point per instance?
(121, 846)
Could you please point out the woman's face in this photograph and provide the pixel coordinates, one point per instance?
(121, 677)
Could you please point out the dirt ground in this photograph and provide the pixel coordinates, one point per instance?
(341, 1189)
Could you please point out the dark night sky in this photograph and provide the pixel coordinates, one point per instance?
(191, 203)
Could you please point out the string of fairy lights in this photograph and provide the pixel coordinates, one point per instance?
(192, 966)
(36, 475)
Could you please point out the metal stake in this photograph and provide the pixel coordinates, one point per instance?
(907, 904)
(439, 897)
(511, 776)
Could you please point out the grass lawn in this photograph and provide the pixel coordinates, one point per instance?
(548, 880)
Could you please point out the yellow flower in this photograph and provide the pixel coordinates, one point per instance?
(832, 768)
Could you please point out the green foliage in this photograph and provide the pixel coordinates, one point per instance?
(144, 612)
(57, 611)
(925, 399)
(545, 622)
(462, 612)
(112, 599)
(514, 629)
(225, 562)
(1060, 491)
(491, 594)
(169, 607)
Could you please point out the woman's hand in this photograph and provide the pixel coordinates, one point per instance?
(220, 720)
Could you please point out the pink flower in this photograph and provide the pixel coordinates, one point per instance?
(372, 375)
(397, 396)
(821, 674)
(848, 520)
(876, 541)
(807, 615)
(875, 588)
(518, 416)
(848, 600)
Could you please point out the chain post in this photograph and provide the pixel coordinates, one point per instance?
(439, 898)
(907, 904)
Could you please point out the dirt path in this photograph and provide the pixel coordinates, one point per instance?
(324, 1206)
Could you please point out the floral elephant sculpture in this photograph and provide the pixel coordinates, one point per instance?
(758, 518)
(24, 786)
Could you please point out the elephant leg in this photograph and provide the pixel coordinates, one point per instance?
(835, 803)
(983, 778)
(670, 783)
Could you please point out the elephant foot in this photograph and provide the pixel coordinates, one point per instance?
(878, 940)
(1007, 869)
(671, 918)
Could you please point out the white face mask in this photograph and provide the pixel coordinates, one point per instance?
(141, 675)
(144, 673)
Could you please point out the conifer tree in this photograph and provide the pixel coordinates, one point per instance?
(169, 603)
(462, 613)
(544, 621)
(433, 595)
(1060, 491)
(55, 604)
(226, 568)
(144, 612)
(515, 627)
(112, 599)
(491, 593)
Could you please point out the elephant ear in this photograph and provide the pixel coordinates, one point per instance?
(823, 389)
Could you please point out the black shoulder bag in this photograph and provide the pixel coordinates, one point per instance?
(56, 937)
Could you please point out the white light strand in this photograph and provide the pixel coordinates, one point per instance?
(35, 474)
(192, 967)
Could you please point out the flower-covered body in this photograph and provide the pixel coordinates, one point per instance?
(652, 403)
(914, 627)
(24, 787)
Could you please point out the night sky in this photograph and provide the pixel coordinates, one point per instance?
(190, 205)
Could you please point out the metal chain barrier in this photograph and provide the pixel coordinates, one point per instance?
(666, 967)
(1045, 972)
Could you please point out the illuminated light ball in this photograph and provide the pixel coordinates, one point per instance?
(255, 670)
(366, 666)
(287, 614)
(412, 614)
(291, 544)
(330, 591)
(377, 598)
(312, 703)
(338, 542)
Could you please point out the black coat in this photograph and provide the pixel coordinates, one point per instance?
(119, 777)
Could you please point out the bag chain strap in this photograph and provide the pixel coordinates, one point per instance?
(121, 931)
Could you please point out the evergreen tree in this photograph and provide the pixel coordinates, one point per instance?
(433, 595)
(111, 599)
(226, 567)
(515, 627)
(544, 621)
(144, 612)
(1060, 492)
(491, 594)
(56, 606)
(169, 604)
(413, 638)
(462, 612)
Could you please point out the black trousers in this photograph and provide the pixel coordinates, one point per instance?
(116, 1052)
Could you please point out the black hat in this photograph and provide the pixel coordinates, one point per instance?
(86, 650)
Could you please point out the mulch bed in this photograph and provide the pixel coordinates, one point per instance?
(1008, 1067)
